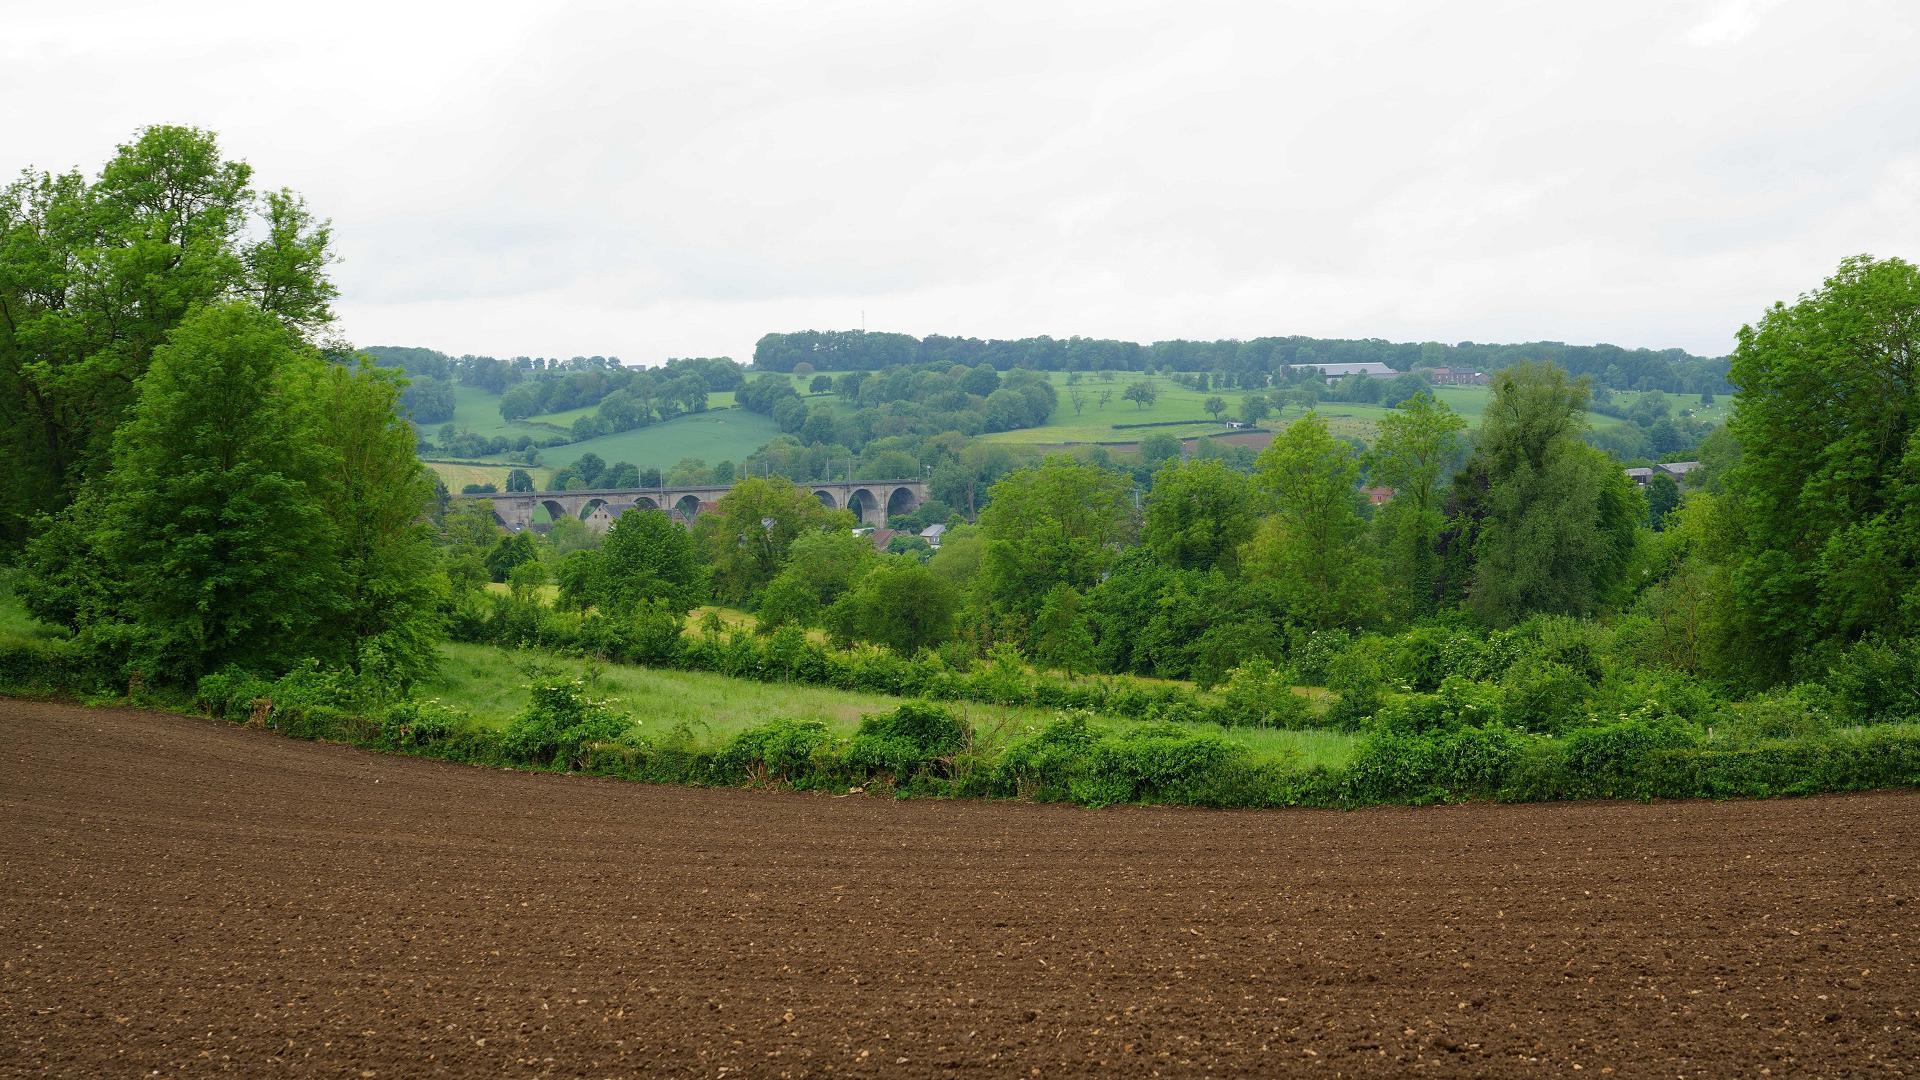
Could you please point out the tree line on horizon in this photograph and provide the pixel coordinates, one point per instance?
(1240, 364)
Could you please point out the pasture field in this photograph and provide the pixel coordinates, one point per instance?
(715, 435)
(1095, 423)
(491, 684)
(185, 895)
(477, 411)
(457, 475)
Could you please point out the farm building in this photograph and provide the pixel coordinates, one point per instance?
(1370, 369)
(1676, 469)
(1457, 377)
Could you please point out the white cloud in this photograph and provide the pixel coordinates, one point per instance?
(676, 179)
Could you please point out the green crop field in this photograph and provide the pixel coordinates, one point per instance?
(715, 435)
(491, 683)
(457, 475)
(1095, 423)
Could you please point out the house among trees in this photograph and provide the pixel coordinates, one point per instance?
(1457, 377)
(1676, 469)
(1378, 496)
(932, 534)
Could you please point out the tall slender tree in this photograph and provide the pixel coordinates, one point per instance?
(1548, 522)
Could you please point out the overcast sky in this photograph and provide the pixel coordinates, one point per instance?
(654, 180)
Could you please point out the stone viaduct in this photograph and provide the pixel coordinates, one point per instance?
(871, 501)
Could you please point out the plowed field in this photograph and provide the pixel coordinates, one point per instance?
(182, 896)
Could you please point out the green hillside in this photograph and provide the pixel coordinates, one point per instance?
(715, 435)
(1095, 423)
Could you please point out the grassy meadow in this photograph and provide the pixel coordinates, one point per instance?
(15, 623)
(491, 684)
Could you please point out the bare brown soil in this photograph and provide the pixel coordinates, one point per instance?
(183, 896)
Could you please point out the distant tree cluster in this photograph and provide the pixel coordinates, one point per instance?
(1235, 364)
(202, 486)
(920, 400)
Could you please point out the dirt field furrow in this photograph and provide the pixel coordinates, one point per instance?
(183, 896)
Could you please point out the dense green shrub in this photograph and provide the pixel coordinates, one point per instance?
(779, 751)
(1604, 758)
(1797, 713)
(230, 693)
(1544, 696)
(1154, 763)
(1422, 657)
(917, 738)
(559, 721)
(1429, 766)
(1855, 759)
(1575, 644)
(1042, 763)
(1257, 694)
(1877, 681)
(416, 725)
(1311, 654)
(1457, 703)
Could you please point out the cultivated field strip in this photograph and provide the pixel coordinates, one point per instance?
(185, 896)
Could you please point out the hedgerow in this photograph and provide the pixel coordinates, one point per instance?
(1531, 713)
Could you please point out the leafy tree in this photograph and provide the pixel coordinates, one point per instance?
(749, 531)
(902, 605)
(646, 557)
(1215, 405)
(1419, 443)
(1403, 388)
(1310, 549)
(1549, 521)
(821, 567)
(591, 468)
(1254, 408)
(1061, 638)
(1663, 497)
(375, 491)
(1078, 399)
(508, 552)
(519, 480)
(520, 402)
(1199, 513)
(1827, 419)
(568, 535)
(1159, 448)
(261, 508)
(1143, 393)
(1152, 619)
(1060, 522)
(95, 276)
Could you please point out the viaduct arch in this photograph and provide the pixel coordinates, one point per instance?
(872, 501)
